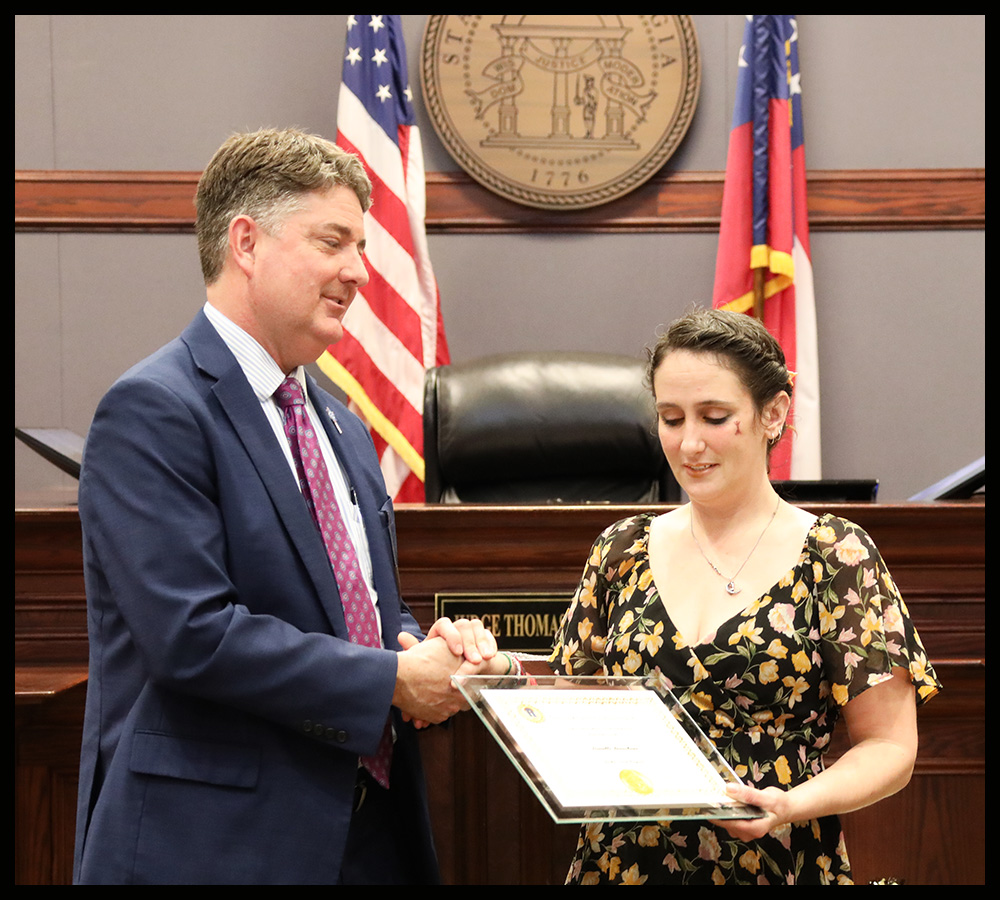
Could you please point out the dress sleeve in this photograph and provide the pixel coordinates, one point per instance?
(865, 628)
(578, 647)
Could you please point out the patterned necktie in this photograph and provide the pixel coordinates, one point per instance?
(314, 481)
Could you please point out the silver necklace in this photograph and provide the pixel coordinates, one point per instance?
(731, 582)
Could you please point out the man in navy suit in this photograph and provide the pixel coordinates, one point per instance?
(231, 716)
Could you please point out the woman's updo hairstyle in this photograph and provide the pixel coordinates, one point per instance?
(737, 341)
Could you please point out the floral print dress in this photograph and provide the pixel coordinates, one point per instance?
(767, 688)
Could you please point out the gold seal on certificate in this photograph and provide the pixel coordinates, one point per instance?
(531, 713)
(561, 111)
(635, 782)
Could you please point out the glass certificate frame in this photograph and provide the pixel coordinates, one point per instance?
(605, 747)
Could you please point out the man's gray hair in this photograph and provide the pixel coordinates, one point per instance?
(264, 175)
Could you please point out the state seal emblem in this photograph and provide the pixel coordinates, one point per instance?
(561, 112)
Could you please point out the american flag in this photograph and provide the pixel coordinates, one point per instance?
(765, 224)
(394, 330)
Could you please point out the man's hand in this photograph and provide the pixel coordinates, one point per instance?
(471, 649)
(423, 680)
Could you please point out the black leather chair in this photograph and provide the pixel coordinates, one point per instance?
(543, 428)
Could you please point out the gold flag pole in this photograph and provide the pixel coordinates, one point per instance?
(758, 293)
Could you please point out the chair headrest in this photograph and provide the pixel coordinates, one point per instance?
(533, 416)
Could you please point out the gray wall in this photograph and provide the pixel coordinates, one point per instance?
(900, 314)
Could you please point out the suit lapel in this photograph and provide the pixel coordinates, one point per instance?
(243, 409)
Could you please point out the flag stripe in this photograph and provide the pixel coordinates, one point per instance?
(395, 264)
(393, 413)
(392, 310)
(383, 349)
(391, 210)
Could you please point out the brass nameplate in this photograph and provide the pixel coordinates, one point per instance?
(525, 623)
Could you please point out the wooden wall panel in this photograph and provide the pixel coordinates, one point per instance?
(871, 199)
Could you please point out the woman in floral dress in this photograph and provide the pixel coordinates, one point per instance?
(767, 622)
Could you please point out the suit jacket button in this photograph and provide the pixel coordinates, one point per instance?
(307, 726)
(337, 735)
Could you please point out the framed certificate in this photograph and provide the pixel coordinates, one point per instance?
(604, 747)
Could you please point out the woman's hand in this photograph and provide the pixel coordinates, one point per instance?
(467, 638)
(774, 801)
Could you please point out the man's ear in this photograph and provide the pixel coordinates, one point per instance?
(244, 235)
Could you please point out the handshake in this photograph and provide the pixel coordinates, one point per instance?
(424, 692)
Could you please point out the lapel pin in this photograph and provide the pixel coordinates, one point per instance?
(329, 412)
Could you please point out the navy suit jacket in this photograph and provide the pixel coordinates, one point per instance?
(226, 709)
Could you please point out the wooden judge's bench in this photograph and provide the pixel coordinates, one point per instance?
(489, 827)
